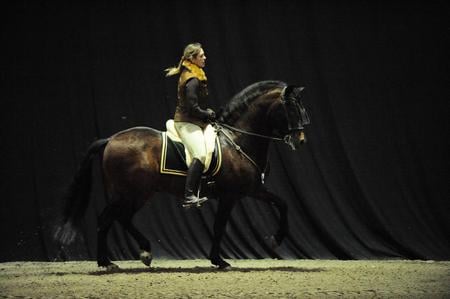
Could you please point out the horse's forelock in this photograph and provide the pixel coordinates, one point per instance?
(242, 100)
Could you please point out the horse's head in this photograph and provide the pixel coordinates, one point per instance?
(288, 117)
(276, 105)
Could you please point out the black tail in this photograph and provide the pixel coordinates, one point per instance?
(77, 196)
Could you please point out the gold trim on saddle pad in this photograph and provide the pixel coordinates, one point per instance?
(163, 168)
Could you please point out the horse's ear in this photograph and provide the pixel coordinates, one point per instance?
(293, 91)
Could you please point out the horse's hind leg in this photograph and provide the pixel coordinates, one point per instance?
(144, 244)
(105, 220)
(123, 211)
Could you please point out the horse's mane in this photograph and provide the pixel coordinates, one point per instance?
(241, 101)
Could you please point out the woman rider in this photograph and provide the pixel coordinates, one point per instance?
(192, 116)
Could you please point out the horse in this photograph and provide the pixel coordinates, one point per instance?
(260, 113)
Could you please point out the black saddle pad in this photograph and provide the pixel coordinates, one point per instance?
(173, 158)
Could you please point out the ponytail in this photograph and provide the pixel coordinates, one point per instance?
(171, 71)
(190, 52)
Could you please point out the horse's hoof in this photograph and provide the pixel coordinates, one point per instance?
(112, 267)
(222, 265)
(225, 267)
(146, 257)
(109, 266)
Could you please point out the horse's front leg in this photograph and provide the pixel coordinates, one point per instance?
(226, 204)
(264, 195)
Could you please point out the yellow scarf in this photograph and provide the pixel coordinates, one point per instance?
(195, 70)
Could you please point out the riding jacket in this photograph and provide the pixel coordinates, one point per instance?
(192, 97)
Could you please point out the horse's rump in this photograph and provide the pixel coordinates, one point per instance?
(132, 157)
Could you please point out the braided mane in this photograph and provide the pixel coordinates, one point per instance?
(239, 103)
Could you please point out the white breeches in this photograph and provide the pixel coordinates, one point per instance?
(193, 139)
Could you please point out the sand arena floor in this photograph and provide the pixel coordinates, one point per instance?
(246, 279)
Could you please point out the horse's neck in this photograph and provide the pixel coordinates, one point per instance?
(256, 147)
(254, 119)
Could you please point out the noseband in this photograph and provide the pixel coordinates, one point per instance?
(290, 103)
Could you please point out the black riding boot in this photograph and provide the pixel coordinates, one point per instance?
(193, 178)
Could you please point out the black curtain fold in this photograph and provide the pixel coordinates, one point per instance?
(372, 181)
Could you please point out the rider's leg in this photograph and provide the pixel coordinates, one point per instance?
(192, 184)
(194, 140)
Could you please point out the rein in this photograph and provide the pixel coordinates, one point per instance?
(219, 128)
(236, 146)
(249, 133)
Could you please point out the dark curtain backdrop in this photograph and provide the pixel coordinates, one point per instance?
(372, 182)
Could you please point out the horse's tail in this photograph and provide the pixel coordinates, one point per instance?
(76, 198)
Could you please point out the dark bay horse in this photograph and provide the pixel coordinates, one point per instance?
(264, 111)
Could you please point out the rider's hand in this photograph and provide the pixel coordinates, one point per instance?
(211, 114)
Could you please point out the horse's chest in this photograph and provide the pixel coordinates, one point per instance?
(239, 176)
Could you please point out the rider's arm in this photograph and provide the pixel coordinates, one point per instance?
(192, 100)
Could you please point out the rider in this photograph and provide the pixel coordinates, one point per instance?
(192, 115)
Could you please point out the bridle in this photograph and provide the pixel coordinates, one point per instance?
(288, 101)
(293, 126)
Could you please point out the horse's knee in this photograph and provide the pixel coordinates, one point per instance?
(279, 203)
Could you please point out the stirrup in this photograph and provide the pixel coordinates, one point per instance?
(194, 202)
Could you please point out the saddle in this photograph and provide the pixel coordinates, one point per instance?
(175, 158)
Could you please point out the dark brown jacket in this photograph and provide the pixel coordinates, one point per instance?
(192, 100)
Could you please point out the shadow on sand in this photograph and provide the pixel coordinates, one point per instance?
(203, 270)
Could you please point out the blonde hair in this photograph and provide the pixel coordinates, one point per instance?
(190, 51)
